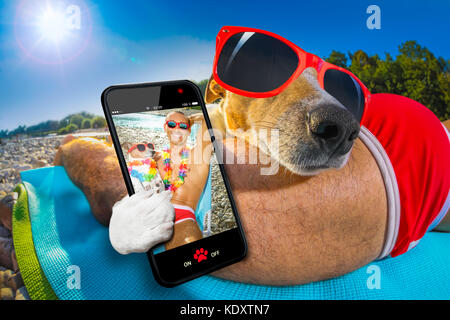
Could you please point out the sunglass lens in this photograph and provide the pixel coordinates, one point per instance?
(151, 146)
(171, 124)
(346, 90)
(141, 147)
(184, 126)
(256, 62)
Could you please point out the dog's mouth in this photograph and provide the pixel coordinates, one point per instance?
(314, 167)
(309, 160)
(332, 163)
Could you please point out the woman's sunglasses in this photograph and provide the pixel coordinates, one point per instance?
(141, 147)
(260, 64)
(173, 124)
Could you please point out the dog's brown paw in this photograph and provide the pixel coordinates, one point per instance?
(92, 165)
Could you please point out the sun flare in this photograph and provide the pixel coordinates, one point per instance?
(52, 25)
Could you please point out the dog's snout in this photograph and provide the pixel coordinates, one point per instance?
(335, 128)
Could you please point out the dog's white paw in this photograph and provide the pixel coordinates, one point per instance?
(141, 221)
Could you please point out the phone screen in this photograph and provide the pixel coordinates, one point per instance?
(165, 144)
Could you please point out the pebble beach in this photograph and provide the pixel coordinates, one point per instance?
(24, 154)
(17, 155)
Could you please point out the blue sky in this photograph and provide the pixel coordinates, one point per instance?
(144, 41)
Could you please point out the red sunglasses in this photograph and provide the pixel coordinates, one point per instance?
(141, 147)
(173, 124)
(260, 64)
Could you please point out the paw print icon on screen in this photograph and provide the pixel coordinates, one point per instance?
(200, 254)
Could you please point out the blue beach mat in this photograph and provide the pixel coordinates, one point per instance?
(67, 237)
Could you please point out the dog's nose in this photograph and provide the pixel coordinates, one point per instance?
(334, 128)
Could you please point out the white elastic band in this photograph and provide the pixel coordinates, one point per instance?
(392, 192)
(185, 219)
(446, 205)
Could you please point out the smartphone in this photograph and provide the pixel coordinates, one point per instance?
(164, 140)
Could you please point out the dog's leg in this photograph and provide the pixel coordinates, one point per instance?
(93, 167)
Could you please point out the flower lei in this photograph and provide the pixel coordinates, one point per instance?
(168, 170)
(140, 172)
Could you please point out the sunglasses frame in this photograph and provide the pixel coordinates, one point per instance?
(145, 145)
(306, 60)
(178, 124)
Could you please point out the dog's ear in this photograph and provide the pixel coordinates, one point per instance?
(213, 91)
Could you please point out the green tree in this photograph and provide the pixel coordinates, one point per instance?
(62, 131)
(86, 124)
(424, 78)
(49, 126)
(71, 127)
(444, 85)
(76, 119)
(3, 133)
(87, 115)
(19, 130)
(414, 73)
(64, 122)
(98, 122)
(337, 58)
(46, 126)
